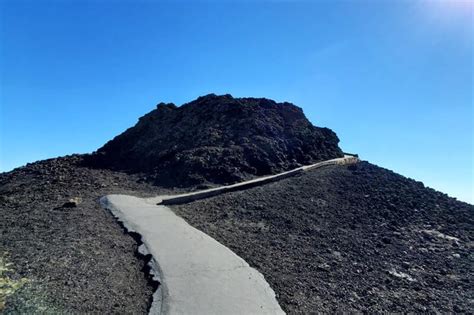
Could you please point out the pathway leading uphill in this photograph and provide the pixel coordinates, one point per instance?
(197, 274)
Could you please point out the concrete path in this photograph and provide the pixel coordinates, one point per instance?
(198, 275)
(188, 197)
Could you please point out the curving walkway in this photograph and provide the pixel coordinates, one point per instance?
(198, 275)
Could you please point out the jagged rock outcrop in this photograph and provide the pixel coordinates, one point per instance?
(218, 140)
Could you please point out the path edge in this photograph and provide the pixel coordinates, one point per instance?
(189, 197)
(157, 304)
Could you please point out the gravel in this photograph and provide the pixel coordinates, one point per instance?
(339, 238)
(74, 255)
(349, 239)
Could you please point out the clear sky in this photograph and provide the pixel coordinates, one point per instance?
(392, 78)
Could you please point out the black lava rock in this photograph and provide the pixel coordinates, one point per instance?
(343, 241)
(218, 140)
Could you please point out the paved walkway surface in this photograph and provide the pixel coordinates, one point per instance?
(198, 275)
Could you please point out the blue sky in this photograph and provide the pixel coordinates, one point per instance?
(392, 78)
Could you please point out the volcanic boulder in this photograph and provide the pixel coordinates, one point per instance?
(218, 140)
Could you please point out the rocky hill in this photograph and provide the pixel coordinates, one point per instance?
(353, 238)
(218, 140)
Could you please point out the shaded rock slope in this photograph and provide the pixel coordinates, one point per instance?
(219, 140)
(349, 239)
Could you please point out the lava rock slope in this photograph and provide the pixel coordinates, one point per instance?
(73, 254)
(217, 140)
(339, 238)
(354, 238)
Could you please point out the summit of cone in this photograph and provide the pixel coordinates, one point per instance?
(218, 139)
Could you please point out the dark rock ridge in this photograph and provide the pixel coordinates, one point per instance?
(218, 140)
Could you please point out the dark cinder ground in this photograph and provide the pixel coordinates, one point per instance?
(75, 260)
(340, 238)
(349, 238)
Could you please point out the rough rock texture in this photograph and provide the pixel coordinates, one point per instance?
(218, 139)
(340, 238)
(74, 255)
(349, 239)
